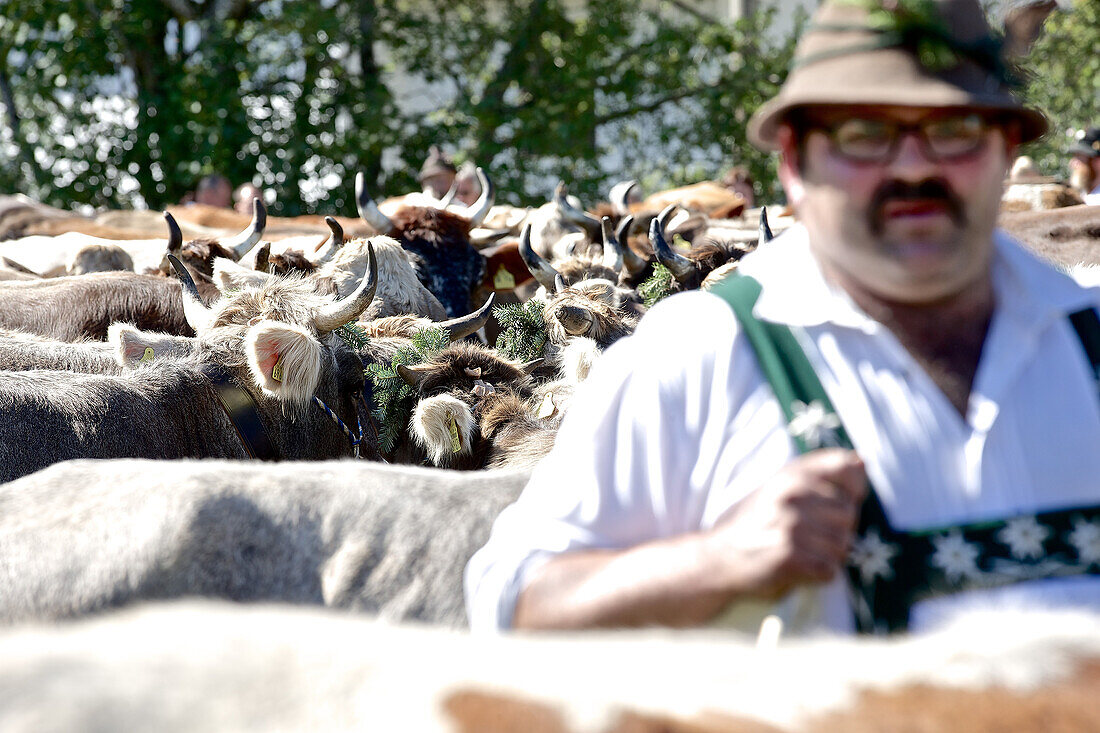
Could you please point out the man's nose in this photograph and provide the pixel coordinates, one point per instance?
(911, 162)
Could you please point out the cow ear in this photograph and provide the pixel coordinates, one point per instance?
(443, 426)
(228, 275)
(134, 347)
(285, 360)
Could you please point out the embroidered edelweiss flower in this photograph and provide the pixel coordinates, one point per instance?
(1024, 537)
(815, 426)
(873, 556)
(955, 556)
(1085, 538)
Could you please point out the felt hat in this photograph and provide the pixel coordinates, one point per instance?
(1088, 144)
(437, 162)
(914, 53)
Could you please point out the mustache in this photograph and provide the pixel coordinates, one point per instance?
(930, 189)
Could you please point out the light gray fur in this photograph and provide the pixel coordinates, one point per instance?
(21, 351)
(83, 536)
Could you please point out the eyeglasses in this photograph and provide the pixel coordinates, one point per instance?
(867, 140)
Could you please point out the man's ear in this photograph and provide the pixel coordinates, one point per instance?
(228, 275)
(285, 360)
(134, 347)
(790, 163)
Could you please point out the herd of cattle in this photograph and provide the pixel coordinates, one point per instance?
(201, 335)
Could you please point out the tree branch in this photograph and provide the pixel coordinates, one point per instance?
(30, 169)
(657, 103)
(183, 8)
(695, 12)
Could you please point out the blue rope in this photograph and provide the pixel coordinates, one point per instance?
(355, 439)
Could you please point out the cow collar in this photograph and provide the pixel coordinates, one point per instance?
(243, 414)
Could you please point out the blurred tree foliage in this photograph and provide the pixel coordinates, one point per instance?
(1064, 72)
(128, 102)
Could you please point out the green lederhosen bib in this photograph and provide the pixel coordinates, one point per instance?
(889, 570)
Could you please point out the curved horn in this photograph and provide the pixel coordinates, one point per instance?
(460, 328)
(368, 210)
(571, 213)
(612, 250)
(263, 254)
(246, 240)
(620, 196)
(765, 230)
(450, 195)
(680, 266)
(543, 271)
(480, 208)
(413, 375)
(330, 246)
(175, 236)
(633, 262)
(194, 310)
(530, 366)
(334, 315)
(559, 283)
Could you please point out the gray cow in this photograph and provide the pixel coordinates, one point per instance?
(272, 348)
(84, 536)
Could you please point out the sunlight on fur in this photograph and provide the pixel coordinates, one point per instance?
(430, 427)
(267, 342)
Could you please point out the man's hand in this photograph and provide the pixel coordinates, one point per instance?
(796, 528)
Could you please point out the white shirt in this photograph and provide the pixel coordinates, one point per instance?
(676, 424)
(1092, 198)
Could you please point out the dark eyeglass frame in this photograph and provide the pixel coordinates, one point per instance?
(957, 148)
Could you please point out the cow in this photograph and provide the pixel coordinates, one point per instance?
(187, 667)
(438, 242)
(82, 537)
(126, 346)
(472, 409)
(705, 257)
(83, 307)
(267, 378)
(100, 258)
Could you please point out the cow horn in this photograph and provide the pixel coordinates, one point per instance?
(13, 265)
(247, 239)
(530, 366)
(480, 208)
(765, 230)
(583, 218)
(368, 210)
(680, 266)
(334, 315)
(620, 196)
(330, 246)
(460, 328)
(413, 375)
(559, 283)
(634, 263)
(194, 310)
(263, 254)
(543, 271)
(450, 195)
(612, 251)
(175, 236)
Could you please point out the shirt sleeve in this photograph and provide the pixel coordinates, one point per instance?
(644, 452)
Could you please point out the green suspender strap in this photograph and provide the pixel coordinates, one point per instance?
(888, 570)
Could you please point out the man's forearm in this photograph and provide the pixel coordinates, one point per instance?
(668, 582)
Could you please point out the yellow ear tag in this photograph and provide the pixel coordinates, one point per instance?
(148, 356)
(456, 442)
(277, 370)
(503, 280)
(547, 408)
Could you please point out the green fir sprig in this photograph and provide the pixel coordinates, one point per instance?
(522, 330)
(657, 286)
(393, 400)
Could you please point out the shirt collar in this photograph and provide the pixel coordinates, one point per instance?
(796, 292)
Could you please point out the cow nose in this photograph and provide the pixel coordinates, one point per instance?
(576, 321)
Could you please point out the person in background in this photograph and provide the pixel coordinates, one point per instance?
(437, 174)
(739, 180)
(214, 190)
(242, 198)
(1084, 166)
(467, 187)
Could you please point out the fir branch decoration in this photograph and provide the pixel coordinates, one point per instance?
(522, 330)
(352, 335)
(392, 399)
(657, 286)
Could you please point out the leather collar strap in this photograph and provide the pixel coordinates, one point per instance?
(244, 415)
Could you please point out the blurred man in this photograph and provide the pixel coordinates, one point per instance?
(437, 174)
(242, 198)
(467, 187)
(1084, 166)
(891, 414)
(214, 190)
